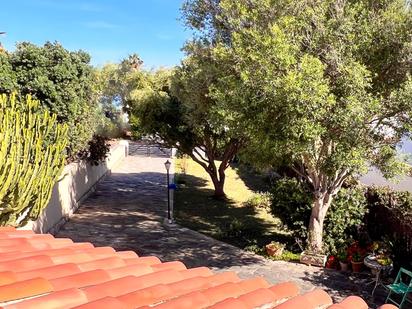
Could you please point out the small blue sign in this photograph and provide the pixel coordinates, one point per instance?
(172, 186)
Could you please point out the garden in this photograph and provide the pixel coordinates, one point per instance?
(55, 110)
(310, 96)
(269, 215)
(276, 110)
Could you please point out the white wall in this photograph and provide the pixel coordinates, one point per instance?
(77, 181)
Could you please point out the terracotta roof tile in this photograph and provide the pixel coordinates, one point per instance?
(134, 270)
(7, 277)
(79, 280)
(285, 290)
(102, 263)
(148, 260)
(351, 302)
(170, 265)
(24, 289)
(43, 272)
(258, 298)
(310, 300)
(50, 272)
(188, 301)
(388, 306)
(229, 304)
(105, 303)
(27, 263)
(61, 299)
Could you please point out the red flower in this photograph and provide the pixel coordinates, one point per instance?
(332, 262)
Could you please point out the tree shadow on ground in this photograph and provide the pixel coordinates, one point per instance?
(254, 180)
(343, 284)
(223, 219)
(127, 211)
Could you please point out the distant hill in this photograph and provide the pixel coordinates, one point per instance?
(374, 177)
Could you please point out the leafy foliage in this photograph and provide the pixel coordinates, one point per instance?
(97, 151)
(115, 84)
(63, 82)
(292, 203)
(177, 110)
(390, 219)
(32, 155)
(8, 80)
(259, 200)
(328, 95)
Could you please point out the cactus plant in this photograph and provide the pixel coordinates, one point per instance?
(32, 155)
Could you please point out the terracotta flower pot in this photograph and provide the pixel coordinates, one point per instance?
(313, 259)
(356, 266)
(344, 266)
(275, 251)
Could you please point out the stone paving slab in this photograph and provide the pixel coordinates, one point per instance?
(127, 211)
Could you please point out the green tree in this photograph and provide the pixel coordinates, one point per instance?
(63, 82)
(178, 110)
(8, 81)
(114, 85)
(116, 81)
(32, 155)
(331, 83)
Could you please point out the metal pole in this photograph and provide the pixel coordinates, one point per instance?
(168, 197)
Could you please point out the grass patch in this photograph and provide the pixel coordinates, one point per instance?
(234, 220)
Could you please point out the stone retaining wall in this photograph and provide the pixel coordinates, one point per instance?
(76, 183)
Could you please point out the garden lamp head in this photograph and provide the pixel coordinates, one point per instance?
(167, 165)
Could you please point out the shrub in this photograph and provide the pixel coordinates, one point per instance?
(97, 151)
(344, 217)
(32, 155)
(292, 204)
(259, 200)
(241, 233)
(390, 219)
(63, 82)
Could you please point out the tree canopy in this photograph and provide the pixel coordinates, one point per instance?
(331, 85)
(61, 80)
(178, 108)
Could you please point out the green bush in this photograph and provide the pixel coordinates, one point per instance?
(390, 219)
(97, 151)
(344, 218)
(32, 155)
(292, 204)
(63, 82)
(259, 200)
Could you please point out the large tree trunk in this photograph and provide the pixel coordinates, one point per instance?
(207, 161)
(320, 206)
(219, 188)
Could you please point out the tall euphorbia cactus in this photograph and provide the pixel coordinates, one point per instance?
(32, 155)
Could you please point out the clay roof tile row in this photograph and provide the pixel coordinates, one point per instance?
(40, 271)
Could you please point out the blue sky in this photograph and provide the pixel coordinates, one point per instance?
(108, 29)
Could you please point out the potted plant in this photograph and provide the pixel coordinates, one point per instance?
(343, 259)
(357, 262)
(332, 262)
(312, 258)
(274, 249)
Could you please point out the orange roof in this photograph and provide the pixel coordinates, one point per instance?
(40, 271)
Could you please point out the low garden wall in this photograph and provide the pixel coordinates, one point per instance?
(77, 181)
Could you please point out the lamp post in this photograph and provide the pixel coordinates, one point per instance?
(167, 166)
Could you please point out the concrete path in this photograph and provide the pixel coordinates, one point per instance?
(127, 211)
